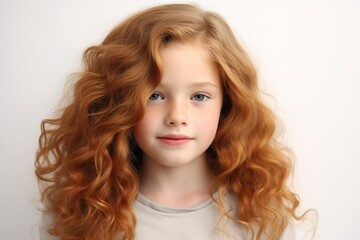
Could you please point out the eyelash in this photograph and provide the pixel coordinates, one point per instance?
(204, 97)
(155, 96)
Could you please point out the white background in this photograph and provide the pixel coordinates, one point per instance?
(307, 54)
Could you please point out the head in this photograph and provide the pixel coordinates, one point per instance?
(130, 59)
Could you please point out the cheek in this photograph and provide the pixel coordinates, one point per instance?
(144, 127)
(209, 125)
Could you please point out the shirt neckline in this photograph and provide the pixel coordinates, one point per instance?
(141, 199)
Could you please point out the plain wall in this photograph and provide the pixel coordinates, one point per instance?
(307, 54)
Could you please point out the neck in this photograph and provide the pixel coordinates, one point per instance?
(178, 187)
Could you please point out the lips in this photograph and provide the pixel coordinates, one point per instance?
(174, 139)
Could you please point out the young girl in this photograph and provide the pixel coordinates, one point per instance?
(165, 138)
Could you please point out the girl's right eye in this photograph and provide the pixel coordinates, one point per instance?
(155, 96)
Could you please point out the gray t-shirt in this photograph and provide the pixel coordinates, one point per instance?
(202, 222)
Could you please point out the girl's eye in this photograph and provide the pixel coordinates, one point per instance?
(199, 97)
(155, 96)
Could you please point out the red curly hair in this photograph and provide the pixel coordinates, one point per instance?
(87, 162)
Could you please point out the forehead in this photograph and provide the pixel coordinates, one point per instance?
(197, 45)
(188, 61)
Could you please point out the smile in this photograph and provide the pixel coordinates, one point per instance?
(175, 140)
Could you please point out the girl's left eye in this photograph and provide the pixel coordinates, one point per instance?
(199, 97)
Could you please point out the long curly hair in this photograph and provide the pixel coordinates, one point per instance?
(87, 162)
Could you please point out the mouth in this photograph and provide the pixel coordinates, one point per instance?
(174, 140)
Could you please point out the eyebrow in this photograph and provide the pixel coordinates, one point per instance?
(202, 84)
(196, 84)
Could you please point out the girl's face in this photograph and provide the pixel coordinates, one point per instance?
(182, 114)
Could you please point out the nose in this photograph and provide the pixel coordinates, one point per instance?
(177, 114)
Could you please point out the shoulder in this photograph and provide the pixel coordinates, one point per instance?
(293, 230)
